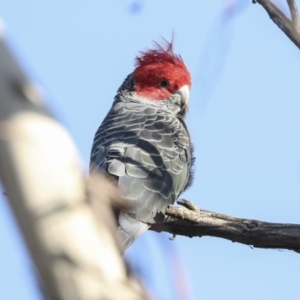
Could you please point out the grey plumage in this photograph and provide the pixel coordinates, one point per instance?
(146, 148)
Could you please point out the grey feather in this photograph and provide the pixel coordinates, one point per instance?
(116, 167)
(147, 148)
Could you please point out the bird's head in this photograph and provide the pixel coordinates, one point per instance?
(161, 76)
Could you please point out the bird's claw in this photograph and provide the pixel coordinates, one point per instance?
(172, 238)
(187, 204)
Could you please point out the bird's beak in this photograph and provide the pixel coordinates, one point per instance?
(184, 92)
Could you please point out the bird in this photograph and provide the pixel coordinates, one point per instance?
(143, 144)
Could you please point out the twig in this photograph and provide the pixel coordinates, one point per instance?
(283, 22)
(196, 222)
(294, 13)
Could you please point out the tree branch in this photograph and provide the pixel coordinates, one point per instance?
(289, 27)
(294, 13)
(192, 221)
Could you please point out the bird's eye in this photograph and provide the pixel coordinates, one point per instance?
(164, 83)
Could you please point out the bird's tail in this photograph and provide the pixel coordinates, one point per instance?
(130, 229)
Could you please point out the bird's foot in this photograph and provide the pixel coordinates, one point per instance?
(172, 238)
(187, 204)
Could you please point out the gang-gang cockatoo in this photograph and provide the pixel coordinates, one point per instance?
(143, 144)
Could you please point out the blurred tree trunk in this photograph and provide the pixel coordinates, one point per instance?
(75, 254)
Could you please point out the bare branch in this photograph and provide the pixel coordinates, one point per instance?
(282, 21)
(294, 13)
(195, 222)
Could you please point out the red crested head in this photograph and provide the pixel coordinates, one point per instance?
(160, 73)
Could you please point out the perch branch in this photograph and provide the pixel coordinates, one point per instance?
(289, 27)
(192, 221)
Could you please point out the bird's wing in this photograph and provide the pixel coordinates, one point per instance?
(148, 151)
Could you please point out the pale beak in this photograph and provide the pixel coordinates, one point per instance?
(184, 92)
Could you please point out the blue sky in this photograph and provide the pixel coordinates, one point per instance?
(244, 121)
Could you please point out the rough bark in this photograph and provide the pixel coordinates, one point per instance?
(192, 221)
